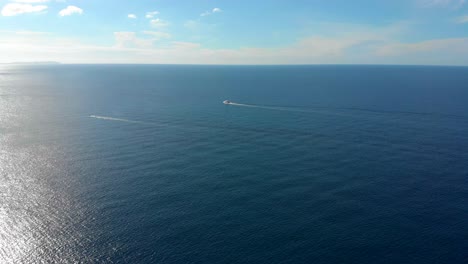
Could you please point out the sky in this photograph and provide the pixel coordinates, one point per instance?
(421, 32)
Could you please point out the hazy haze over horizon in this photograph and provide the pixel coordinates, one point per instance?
(423, 32)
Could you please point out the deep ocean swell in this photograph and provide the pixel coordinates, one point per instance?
(310, 164)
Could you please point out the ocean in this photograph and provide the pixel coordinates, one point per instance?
(311, 164)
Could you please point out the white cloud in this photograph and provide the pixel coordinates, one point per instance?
(125, 39)
(151, 14)
(214, 10)
(428, 47)
(462, 19)
(191, 24)
(31, 33)
(14, 9)
(157, 34)
(351, 45)
(442, 3)
(70, 10)
(132, 16)
(430, 52)
(438, 2)
(158, 23)
(130, 40)
(30, 1)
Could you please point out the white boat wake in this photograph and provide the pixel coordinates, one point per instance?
(116, 119)
(109, 118)
(277, 108)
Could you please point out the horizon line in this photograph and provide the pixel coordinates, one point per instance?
(39, 63)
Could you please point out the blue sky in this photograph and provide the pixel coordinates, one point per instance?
(236, 32)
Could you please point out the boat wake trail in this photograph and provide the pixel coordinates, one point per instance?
(277, 108)
(118, 119)
(344, 111)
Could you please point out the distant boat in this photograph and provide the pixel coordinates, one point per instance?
(226, 102)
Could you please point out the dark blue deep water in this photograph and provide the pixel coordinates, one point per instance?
(144, 164)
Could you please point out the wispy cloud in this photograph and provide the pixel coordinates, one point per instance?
(122, 37)
(157, 34)
(452, 51)
(348, 44)
(32, 33)
(126, 39)
(158, 23)
(151, 14)
(130, 39)
(30, 1)
(214, 10)
(14, 9)
(70, 10)
(132, 16)
(191, 24)
(462, 19)
(442, 3)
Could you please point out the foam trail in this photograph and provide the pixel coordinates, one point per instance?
(116, 119)
(278, 108)
(125, 120)
(356, 110)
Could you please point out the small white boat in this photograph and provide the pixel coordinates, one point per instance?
(226, 102)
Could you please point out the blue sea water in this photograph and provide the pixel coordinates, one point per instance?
(144, 164)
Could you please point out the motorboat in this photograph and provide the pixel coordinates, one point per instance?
(226, 102)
